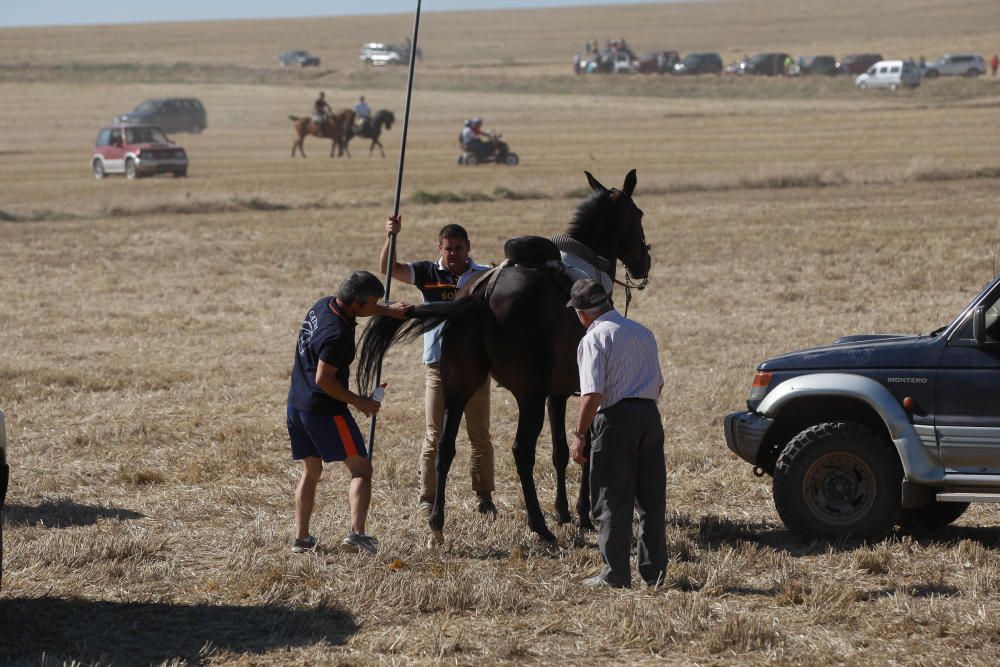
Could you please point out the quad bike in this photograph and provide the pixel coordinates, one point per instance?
(501, 154)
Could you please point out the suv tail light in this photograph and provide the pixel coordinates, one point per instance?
(759, 387)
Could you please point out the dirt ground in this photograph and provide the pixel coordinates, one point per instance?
(148, 328)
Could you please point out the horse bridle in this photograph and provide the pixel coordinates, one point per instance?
(629, 284)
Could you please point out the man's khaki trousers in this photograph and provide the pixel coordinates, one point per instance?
(477, 425)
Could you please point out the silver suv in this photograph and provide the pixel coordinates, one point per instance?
(956, 64)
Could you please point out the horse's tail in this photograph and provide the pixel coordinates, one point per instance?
(381, 332)
(294, 119)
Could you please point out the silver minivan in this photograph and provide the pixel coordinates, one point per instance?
(890, 74)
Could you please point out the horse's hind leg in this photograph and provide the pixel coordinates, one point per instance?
(531, 416)
(445, 456)
(560, 453)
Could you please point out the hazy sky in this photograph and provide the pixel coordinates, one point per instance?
(60, 12)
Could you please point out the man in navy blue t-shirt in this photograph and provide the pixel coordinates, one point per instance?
(440, 281)
(320, 425)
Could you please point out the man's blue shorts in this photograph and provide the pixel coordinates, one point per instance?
(330, 437)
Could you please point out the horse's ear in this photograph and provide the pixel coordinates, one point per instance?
(595, 185)
(630, 181)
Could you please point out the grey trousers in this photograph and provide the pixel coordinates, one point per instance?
(628, 473)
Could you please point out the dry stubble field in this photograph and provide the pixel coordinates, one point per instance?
(148, 329)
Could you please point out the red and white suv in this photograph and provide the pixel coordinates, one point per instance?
(136, 151)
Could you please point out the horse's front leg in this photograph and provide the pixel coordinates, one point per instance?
(445, 455)
(381, 150)
(529, 425)
(560, 453)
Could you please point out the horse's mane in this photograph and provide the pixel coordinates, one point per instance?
(588, 214)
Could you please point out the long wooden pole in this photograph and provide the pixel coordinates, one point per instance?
(395, 207)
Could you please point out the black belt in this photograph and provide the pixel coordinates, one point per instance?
(629, 401)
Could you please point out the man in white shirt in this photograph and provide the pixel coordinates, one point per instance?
(620, 382)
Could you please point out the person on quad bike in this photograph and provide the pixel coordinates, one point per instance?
(473, 139)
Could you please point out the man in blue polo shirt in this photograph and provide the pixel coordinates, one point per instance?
(440, 281)
(320, 425)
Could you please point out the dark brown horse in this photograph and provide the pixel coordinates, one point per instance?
(373, 130)
(335, 127)
(518, 329)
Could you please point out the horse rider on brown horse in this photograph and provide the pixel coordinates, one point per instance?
(321, 108)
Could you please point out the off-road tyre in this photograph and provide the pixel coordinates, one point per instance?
(932, 516)
(931, 74)
(511, 159)
(131, 172)
(98, 169)
(838, 481)
(972, 73)
(471, 160)
(863, 86)
(893, 87)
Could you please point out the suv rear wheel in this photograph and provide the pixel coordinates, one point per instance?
(972, 73)
(838, 480)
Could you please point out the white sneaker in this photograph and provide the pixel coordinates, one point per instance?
(360, 542)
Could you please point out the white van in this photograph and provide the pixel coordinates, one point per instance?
(890, 74)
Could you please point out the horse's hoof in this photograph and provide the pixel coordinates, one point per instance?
(563, 518)
(586, 525)
(436, 539)
(546, 536)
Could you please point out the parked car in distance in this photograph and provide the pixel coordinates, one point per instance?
(891, 74)
(625, 62)
(298, 58)
(376, 53)
(136, 151)
(172, 114)
(856, 63)
(956, 64)
(658, 62)
(815, 66)
(767, 64)
(699, 63)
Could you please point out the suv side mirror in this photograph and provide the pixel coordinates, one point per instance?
(979, 325)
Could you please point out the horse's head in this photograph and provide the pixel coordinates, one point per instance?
(619, 210)
(387, 118)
